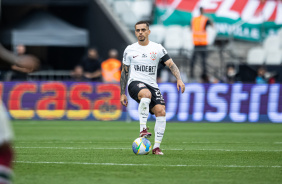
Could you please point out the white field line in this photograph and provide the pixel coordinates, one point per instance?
(74, 148)
(225, 142)
(66, 142)
(118, 164)
(71, 148)
(277, 142)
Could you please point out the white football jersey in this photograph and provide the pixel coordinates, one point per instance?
(143, 62)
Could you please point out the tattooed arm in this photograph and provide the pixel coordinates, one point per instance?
(123, 78)
(123, 82)
(175, 71)
(173, 68)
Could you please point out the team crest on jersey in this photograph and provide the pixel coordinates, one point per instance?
(153, 56)
(140, 85)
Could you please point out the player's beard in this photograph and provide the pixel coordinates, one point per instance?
(142, 38)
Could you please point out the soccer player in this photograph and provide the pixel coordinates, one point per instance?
(24, 63)
(140, 63)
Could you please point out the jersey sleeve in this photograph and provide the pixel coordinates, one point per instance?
(126, 58)
(163, 55)
(162, 51)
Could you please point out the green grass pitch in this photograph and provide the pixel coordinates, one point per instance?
(87, 152)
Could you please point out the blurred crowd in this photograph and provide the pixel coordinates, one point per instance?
(93, 68)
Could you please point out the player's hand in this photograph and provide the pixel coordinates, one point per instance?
(181, 85)
(123, 100)
(26, 64)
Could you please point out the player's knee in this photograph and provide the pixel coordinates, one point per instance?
(146, 94)
(160, 112)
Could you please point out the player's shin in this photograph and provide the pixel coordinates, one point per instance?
(143, 111)
(6, 157)
(159, 130)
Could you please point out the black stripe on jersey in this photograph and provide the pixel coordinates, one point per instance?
(164, 59)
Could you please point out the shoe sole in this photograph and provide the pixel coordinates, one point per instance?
(157, 154)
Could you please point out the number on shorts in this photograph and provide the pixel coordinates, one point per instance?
(158, 93)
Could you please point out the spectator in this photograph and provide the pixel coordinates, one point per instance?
(272, 78)
(21, 49)
(231, 74)
(17, 74)
(260, 79)
(89, 69)
(264, 77)
(77, 73)
(111, 68)
(206, 79)
(20, 73)
(199, 25)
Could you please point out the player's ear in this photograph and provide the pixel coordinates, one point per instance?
(149, 31)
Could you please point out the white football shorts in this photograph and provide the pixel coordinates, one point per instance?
(6, 133)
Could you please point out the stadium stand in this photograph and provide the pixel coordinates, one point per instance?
(157, 33)
(188, 45)
(121, 7)
(145, 12)
(274, 57)
(129, 19)
(174, 39)
(271, 43)
(269, 54)
(211, 35)
(280, 37)
(110, 2)
(123, 14)
(129, 10)
(256, 56)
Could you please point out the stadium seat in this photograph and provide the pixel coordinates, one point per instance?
(110, 2)
(173, 44)
(188, 45)
(129, 18)
(211, 34)
(256, 56)
(271, 43)
(131, 11)
(174, 29)
(280, 37)
(121, 6)
(145, 12)
(274, 57)
(157, 33)
(174, 39)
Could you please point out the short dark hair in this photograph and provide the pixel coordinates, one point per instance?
(142, 22)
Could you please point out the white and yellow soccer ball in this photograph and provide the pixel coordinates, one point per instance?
(141, 146)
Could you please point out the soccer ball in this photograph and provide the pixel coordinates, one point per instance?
(141, 146)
